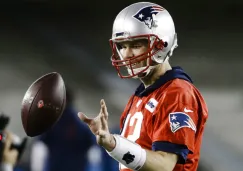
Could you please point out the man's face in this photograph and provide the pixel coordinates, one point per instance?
(130, 49)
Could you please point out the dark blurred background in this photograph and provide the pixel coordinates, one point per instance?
(71, 37)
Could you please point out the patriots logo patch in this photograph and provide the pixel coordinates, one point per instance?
(179, 120)
(145, 15)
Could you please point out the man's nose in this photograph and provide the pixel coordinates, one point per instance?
(128, 53)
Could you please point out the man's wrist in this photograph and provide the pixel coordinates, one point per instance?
(128, 153)
(112, 144)
(6, 167)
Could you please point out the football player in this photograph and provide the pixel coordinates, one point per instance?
(164, 120)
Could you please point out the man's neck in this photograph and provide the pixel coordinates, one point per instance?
(155, 74)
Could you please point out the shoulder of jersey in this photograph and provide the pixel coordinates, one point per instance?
(179, 85)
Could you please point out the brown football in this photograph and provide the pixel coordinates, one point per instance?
(43, 104)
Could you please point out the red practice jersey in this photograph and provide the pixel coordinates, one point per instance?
(168, 117)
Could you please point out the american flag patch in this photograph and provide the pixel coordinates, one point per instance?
(151, 105)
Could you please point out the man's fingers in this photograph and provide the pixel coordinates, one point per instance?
(104, 108)
(104, 123)
(84, 118)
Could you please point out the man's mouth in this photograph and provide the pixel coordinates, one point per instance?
(133, 65)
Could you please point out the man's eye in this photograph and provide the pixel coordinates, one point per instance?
(119, 46)
(136, 46)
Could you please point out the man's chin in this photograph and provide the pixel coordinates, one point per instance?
(141, 75)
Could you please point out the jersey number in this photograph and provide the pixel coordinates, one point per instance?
(134, 121)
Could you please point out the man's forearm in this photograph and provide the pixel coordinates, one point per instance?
(159, 161)
(133, 156)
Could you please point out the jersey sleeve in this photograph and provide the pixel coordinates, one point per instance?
(175, 122)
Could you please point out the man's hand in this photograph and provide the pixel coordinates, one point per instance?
(9, 155)
(99, 127)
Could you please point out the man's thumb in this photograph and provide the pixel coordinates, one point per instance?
(84, 118)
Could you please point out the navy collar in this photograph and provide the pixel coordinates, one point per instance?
(176, 72)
